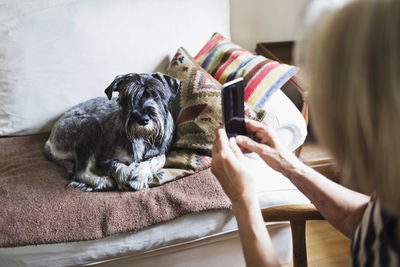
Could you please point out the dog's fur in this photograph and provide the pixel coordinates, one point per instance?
(117, 143)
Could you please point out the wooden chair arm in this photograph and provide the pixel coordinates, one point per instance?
(296, 212)
(297, 215)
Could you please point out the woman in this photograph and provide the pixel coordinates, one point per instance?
(353, 61)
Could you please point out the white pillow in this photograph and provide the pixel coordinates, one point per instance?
(285, 118)
(55, 54)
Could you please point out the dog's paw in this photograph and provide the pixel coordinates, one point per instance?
(139, 184)
(104, 184)
(81, 186)
(139, 177)
(123, 174)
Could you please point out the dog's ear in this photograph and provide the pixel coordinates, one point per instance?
(113, 86)
(173, 84)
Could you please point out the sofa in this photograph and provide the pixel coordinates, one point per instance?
(56, 54)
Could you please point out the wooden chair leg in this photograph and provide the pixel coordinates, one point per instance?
(299, 243)
(297, 215)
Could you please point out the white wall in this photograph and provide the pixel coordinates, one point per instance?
(254, 21)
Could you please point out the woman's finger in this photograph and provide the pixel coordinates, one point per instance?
(222, 146)
(223, 139)
(252, 146)
(235, 148)
(218, 139)
(253, 126)
(262, 131)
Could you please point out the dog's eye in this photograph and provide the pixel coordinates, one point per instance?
(149, 110)
(156, 96)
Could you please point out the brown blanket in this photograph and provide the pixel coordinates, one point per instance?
(37, 208)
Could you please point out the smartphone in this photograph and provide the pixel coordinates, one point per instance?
(233, 107)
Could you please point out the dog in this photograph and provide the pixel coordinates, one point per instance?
(117, 143)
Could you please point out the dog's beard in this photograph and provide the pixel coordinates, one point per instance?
(151, 132)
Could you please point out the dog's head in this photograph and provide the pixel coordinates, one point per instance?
(143, 101)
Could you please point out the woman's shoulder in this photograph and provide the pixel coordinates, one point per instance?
(372, 244)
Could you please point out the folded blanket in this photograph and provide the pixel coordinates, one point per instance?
(37, 208)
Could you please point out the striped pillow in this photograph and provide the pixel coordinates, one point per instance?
(226, 61)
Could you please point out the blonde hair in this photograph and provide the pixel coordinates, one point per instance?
(352, 58)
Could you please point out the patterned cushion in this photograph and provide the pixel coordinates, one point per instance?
(197, 107)
(226, 61)
(197, 114)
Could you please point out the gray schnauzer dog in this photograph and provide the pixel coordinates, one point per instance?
(117, 143)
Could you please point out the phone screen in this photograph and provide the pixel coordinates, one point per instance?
(233, 107)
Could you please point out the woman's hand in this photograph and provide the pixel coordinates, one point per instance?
(266, 144)
(236, 178)
(228, 165)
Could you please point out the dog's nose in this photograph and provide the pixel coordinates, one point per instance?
(140, 118)
(143, 122)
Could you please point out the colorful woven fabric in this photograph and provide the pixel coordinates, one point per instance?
(180, 163)
(197, 113)
(225, 61)
(197, 107)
